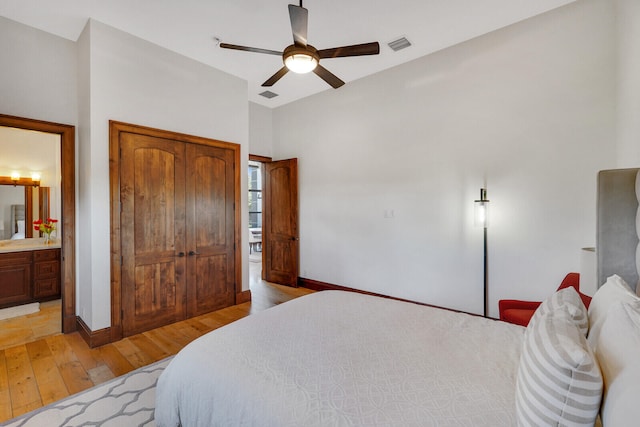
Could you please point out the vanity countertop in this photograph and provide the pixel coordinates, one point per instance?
(34, 244)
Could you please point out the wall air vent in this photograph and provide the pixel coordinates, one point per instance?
(399, 44)
(268, 94)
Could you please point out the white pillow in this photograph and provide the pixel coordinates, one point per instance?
(559, 381)
(569, 298)
(618, 355)
(614, 289)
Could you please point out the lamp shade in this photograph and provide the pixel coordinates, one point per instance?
(481, 210)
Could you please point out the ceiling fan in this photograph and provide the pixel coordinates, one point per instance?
(301, 57)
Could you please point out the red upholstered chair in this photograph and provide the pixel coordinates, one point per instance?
(520, 312)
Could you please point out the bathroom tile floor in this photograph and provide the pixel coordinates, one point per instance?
(31, 327)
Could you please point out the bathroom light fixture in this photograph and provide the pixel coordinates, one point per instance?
(15, 177)
(35, 177)
(481, 219)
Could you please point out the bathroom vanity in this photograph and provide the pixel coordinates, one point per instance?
(29, 271)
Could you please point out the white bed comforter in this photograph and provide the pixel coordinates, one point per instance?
(345, 359)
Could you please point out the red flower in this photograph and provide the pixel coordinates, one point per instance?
(45, 227)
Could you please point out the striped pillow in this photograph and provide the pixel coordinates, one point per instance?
(569, 298)
(559, 381)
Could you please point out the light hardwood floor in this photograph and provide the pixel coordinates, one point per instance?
(44, 370)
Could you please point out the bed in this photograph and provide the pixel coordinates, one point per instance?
(345, 359)
(341, 358)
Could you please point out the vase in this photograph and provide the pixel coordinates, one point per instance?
(47, 238)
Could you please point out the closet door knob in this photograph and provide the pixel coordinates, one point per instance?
(180, 254)
(192, 253)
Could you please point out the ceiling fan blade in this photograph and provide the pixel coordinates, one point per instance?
(299, 23)
(328, 76)
(277, 76)
(250, 49)
(353, 50)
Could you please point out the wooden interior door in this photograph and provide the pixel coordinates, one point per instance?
(280, 223)
(210, 229)
(152, 196)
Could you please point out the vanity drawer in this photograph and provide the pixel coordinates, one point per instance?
(45, 255)
(46, 269)
(46, 288)
(15, 258)
(46, 274)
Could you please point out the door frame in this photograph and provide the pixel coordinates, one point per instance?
(263, 160)
(115, 128)
(68, 199)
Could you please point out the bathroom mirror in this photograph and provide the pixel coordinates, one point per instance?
(30, 173)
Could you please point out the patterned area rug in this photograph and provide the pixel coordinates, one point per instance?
(128, 400)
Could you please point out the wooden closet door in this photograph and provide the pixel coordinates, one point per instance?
(210, 228)
(152, 195)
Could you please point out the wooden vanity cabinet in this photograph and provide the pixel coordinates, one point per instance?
(46, 274)
(29, 276)
(15, 278)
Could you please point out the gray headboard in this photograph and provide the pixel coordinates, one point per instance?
(618, 225)
(17, 214)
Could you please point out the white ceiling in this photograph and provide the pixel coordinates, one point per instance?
(190, 27)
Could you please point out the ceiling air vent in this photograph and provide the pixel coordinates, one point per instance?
(399, 44)
(268, 94)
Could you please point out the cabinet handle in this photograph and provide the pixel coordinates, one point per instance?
(192, 253)
(181, 254)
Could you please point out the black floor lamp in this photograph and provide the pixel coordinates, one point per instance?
(481, 219)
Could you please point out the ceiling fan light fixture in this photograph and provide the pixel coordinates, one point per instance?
(300, 60)
(301, 63)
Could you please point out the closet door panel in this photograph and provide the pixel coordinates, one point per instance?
(210, 228)
(152, 223)
(211, 282)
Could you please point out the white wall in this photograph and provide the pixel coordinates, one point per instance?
(628, 79)
(389, 173)
(134, 81)
(84, 294)
(38, 74)
(260, 130)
